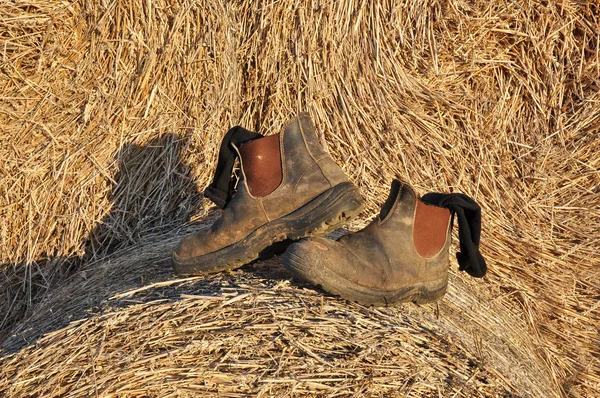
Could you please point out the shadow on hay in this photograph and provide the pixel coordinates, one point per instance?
(153, 194)
(154, 190)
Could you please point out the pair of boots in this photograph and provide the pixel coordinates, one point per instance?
(289, 188)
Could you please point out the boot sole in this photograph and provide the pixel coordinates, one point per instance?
(420, 293)
(325, 213)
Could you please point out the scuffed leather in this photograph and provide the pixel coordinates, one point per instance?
(382, 256)
(242, 215)
(308, 171)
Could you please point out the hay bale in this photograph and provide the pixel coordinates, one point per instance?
(253, 332)
(111, 114)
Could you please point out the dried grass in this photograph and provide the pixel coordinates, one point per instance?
(111, 113)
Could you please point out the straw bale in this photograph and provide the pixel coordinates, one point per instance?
(254, 332)
(111, 114)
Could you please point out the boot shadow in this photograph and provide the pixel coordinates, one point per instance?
(153, 194)
(153, 191)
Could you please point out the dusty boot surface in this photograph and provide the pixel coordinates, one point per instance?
(402, 255)
(289, 187)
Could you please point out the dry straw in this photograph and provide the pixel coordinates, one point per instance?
(111, 113)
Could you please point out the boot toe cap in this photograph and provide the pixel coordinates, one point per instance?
(301, 257)
(311, 258)
(190, 247)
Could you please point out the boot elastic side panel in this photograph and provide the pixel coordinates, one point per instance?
(430, 229)
(261, 161)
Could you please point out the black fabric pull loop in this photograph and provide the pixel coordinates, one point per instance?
(221, 190)
(468, 213)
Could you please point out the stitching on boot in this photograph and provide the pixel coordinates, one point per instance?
(283, 164)
(300, 179)
(306, 171)
(262, 207)
(307, 116)
(301, 115)
(394, 206)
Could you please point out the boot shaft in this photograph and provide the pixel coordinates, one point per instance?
(286, 170)
(417, 228)
(428, 222)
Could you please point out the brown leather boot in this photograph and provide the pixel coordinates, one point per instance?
(402, 255)
(289, 187)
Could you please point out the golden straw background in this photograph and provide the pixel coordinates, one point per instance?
(111, 115)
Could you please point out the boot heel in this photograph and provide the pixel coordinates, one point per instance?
(344, 203)
(322, 215)
(327, 212)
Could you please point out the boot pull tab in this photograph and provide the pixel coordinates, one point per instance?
(221, 190)
(468, 214)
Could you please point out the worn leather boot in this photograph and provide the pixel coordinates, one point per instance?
(289, 187)
(402, 255)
